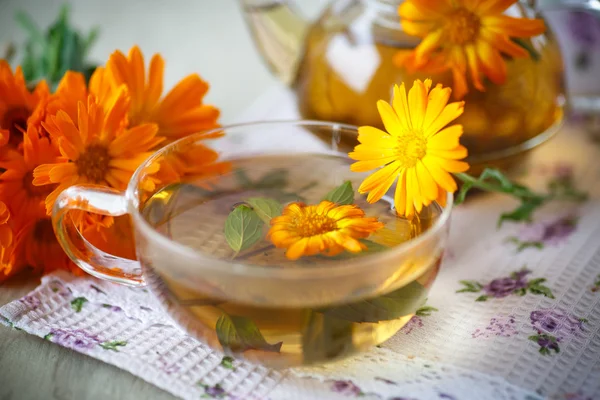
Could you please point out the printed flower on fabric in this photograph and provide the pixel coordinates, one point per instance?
(514, 284)
(553, 326)
(500, 325)
(347, 388)
(596, 286)
(416, 322)
(584, 28)
(561, 181)
(76, 339)
(553, 232)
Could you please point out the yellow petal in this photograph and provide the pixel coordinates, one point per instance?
(369, 135)
(417, 103)
(446, 139)
(427, 184)
(389, 118)
(438, 98)
(400, 194)
(400, 104)
(379, 180)
(439, 174)
(449, 114)
(456, 153)
(297, 249)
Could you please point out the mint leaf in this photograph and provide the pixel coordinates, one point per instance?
(482, 298)
(342, 194)
(325, 337)
(238, 334)
(265, 208)
(243, 228)
(77, 303)
(403, 301)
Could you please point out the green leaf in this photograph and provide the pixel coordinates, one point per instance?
(521, 292)
(470, 287)
(243, 228)
(77, 303)
(425, 311)
(265, 208)
(273, 179)
(343, 194)
(527, 45)
(238, 334)
(584, 320)
(48, 336)
(535, 282)
(227, 362)
(325, 337)
(543, 290)
(524, 245)
(492, 180)
(35, 34)
(482, 298)
(401, 302)
(114, 345)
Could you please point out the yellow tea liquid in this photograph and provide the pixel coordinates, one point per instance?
(348, 66)
(281, 323)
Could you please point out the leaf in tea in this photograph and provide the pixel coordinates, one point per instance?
(325, 337)
(243, 228)
(265, 208)
(239, 334)
(401, 302)
(342, 194)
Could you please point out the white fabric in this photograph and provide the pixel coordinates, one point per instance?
(466, 350)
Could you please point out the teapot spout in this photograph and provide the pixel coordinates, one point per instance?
(278, 30)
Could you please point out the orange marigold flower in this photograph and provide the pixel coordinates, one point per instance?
(17, 104)
(179, 113)
(198, 163)
(325, 228)
(97, 149)
(464, 35)
(26, 201)
(6, 243)
(36, 246)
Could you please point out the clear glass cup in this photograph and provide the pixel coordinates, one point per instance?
(277, 313)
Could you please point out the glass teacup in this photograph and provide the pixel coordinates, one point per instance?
(247, 297)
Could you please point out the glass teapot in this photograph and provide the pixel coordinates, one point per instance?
(340, 65)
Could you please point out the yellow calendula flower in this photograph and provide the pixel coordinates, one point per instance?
(418, 149)
(325, 228)
(464, 34)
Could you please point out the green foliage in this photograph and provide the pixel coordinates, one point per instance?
(470, 287)
(265, 208)
(114, 345)
(49, 55)
(238, 334)
(243, 228)
(77, 304)
(342, 195)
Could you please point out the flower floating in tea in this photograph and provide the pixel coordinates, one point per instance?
(417, 149)
(465, 35)
(325, 228)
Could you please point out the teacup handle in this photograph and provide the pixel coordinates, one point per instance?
(98, 200)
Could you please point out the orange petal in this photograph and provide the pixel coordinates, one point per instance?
(62, 172)
(137, 84)
(296, 250)
(474, 67)
(492, 63)
(186, 95)
(155, 80)
(430, 43)
(500, 43)
(514, 27)
(493, 7)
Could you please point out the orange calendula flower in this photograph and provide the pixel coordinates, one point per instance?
(26, 201)
(325, 228)
(36, 246)
(6, 243)
(418, 149)
(97, 149)
(17, 104)
(179, 113)
(464, 35)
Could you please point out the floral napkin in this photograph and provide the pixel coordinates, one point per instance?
(514, 313)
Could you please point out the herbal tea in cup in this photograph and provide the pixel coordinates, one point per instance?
(267, 253)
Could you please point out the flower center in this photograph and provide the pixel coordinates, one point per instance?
(15, 120)
(43, 232)
(462, 27)
(32, 190)
(93, 163)
(411, 147)
(315, 224)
